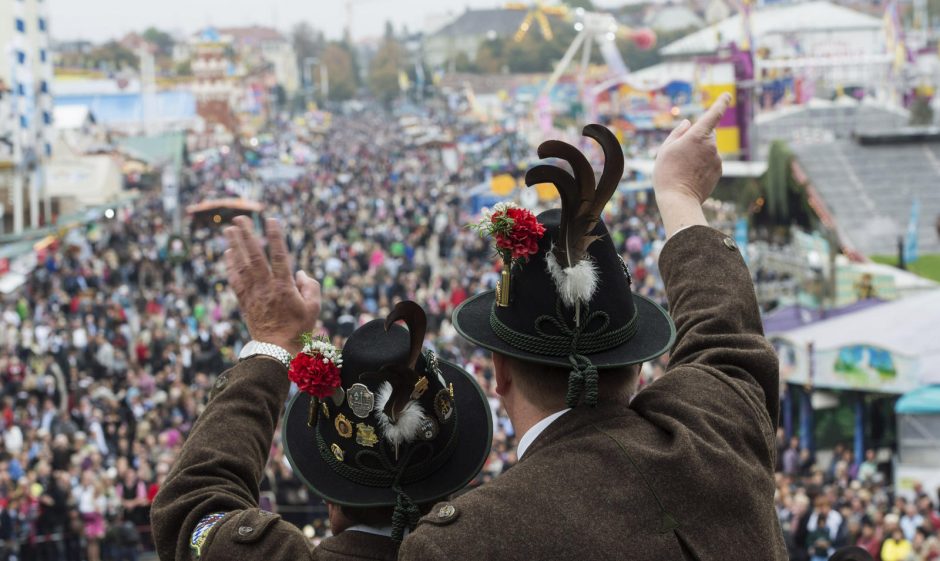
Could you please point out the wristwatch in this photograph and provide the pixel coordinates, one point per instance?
(255, 348)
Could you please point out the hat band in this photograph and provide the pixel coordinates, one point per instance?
(569, 340)
(389, 475)
(574, 342)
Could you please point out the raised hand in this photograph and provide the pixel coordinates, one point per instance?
(688, 163)
(687, 169)
(276, 306)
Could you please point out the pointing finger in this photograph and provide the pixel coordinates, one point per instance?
(707, 122)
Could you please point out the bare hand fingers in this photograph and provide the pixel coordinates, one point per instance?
(707, 122)
(234, 280)
(257, 262)
(677, 132)
(309, 291)
(235, 258)
(280, 260)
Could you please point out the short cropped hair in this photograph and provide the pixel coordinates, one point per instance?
(376, 516)
(547, 386)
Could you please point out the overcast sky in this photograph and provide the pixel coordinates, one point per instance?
(104, 19)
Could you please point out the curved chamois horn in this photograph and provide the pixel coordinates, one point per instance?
(582, 202)
(416, 320)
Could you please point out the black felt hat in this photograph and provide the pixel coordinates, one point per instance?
(571, 304)
(406, 427)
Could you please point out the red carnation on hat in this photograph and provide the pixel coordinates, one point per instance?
(515, 230)
(315, 370)
(523, 239)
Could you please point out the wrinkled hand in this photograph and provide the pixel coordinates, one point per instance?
(276, 307)
(688, 165)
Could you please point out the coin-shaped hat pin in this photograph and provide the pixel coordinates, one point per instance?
(343, 426)
(428, 429)
(337, 451)
(360, 400)
(365, 435)
(443, 405)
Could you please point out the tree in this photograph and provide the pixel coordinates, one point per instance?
(112, 57)
(340, 71)
(388, 62)
(307, 41)
(586, 4)
(921, 112)
(491, 56)
(636, 58)
(184, 68)
(161, 39)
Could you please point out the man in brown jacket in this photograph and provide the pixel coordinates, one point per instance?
(685, 469)
(380, 430)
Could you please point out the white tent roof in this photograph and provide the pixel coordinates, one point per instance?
(68, 117)
(790, 18)
(908, 327)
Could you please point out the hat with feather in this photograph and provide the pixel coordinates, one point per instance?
(396, 426)
(570, 302)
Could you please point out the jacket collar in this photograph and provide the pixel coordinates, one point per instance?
(538, 428)
(574, 420)
(362, 545)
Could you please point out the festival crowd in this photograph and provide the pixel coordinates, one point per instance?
(112, 347)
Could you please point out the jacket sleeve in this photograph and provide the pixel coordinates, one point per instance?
(220, 467)
(719, 330)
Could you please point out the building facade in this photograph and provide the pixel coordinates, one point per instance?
(25, 110)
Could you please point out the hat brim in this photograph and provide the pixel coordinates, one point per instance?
(475, 434)
(655, 335)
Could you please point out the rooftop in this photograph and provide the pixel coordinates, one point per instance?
(778, 19)
(501, 21)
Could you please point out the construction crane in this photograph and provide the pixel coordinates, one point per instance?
(538, 13)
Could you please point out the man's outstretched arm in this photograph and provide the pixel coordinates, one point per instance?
(710, 293)
(208, 505)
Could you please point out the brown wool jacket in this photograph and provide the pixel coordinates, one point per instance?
(685, 471)
(219, 471)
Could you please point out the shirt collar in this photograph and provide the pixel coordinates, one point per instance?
(530, 435)
(383, 531)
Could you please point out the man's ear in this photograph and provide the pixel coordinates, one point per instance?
(503, 371)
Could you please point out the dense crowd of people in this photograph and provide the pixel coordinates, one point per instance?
(111, 348)
(113, 345)
(850, 503)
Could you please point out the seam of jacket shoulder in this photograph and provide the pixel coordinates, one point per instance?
(426, 543)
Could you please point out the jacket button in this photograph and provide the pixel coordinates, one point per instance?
(245, 530)
(221, 381)
(446, 511)
(729, 243)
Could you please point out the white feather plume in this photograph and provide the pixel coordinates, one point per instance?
(574, 284)
(405, 429)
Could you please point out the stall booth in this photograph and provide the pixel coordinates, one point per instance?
(918, 465)
(220, 212)
(841, 377)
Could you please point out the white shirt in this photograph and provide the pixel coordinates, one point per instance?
(383, 531)
(530, 435)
